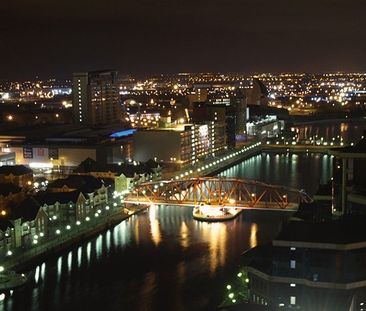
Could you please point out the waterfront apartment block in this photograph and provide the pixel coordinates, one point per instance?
(123, 175)
(65, 202)
(182, 144)
(311, 266)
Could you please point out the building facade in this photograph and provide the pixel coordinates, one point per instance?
(183, 145)
(19, 175)
(96, 98)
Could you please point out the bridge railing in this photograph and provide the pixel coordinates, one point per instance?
(219, 191)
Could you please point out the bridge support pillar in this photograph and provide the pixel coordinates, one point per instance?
(344, 184)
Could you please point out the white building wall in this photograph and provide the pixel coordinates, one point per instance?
(66, 156)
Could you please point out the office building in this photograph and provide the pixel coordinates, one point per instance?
(349, 178)
(240, 106)
(258, 94)
(311, 266)
(96, 98)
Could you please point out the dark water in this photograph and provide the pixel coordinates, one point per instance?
(160, 260)
(302, 171)
(163, 259)
(350, 132)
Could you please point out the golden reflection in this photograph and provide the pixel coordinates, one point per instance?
(181, 272)
(147, 291)
(344, 127)
(184, 235)
(253, 235)
(137, 230)
(216, 235)
(154, 224)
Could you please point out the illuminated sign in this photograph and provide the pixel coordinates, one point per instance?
(27, 152)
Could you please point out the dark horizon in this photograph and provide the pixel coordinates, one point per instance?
(56, 39)
(68, 76)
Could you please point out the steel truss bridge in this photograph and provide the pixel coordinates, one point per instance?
(220, 192)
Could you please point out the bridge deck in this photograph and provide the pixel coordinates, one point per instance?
(291, 207)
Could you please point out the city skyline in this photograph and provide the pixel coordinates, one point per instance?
(46, 39)
(183, 155)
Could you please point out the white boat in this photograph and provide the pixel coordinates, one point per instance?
(205, 212)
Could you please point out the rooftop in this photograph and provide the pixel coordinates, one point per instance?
(84, 183)
(7, 188)
(16, 170)
(349, 229)
(27, 210)
(62, 133)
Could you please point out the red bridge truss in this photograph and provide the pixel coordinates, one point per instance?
(218, 191)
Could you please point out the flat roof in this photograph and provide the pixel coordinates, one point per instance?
(43, 131)
(346, 230)
(62, 134)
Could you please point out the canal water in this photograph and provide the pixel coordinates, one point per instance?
(350, 132)
(163, 259)
(301, 171)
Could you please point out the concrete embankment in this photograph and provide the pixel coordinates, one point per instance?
(214, 170)
(336, 119)
(23, 259)
(213, 166)
(296, 148)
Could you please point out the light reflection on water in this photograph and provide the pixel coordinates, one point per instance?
(184, 233)
(182, 257)
(301, 171)
(350, 132)
(79, 256)
(164, 259)
(154, 224)
(253, 235)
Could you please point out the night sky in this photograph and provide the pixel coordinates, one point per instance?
(55, 38)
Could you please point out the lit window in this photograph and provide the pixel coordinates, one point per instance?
(293, 264)
(293, 300)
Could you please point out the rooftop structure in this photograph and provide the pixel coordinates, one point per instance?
(311, 266)
(47, 146)
(349, 177)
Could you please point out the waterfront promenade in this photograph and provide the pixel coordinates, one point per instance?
(212, 166)
(61, 238)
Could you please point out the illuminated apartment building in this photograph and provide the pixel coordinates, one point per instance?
(181, 145)
(96, 98)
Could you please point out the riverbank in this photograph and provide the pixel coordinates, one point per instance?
(27, 258)
(296, 148)
(166, 246)
(214, 166)
(319, 120)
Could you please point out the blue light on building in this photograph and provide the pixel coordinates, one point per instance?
(123, 133)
